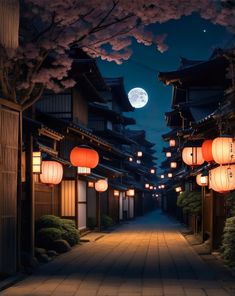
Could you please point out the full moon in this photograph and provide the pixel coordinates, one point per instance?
(138, 97)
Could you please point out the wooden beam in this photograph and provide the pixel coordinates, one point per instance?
(10, 104)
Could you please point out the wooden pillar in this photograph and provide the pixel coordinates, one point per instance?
(98, 210)
(212, 219)
(32, 199)
(19, 194)
(76, 201)
(203, 191)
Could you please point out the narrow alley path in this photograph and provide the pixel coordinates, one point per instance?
(145, 257)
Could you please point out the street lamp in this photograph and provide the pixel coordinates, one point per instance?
(36, 162)
(100, 186)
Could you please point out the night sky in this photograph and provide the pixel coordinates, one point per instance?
(190, 37)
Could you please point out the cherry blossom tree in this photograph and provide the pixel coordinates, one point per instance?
(104, 28)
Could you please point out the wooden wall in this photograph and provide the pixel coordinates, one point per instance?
(59, 105)
(91, 202)
(9, 123)
(80, 108)
(46, 200)
(68, 198)
(113, 206)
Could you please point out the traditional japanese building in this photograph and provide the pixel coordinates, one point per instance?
(197, 100)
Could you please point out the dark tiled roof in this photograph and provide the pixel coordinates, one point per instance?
(119, 93)
(212, 72)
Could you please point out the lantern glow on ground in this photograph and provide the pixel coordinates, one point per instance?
(138, 97)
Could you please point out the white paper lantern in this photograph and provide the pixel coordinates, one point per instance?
(101, 185)
(222, 178)
(223, 150)
(52, 172)
(173, 165)
(192, 156)
(178, 189)
(168, 154)
(172, 142)
(130, 192)
(202, 180)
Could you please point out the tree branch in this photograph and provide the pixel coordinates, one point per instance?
(28, 92)
(36, 38)
(34, 98)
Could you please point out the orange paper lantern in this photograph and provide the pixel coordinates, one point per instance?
(84, 157)
(192, 156)
(207, 150)
(52, 172)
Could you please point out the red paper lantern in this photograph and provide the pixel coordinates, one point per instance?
(84, 157)
(52, 172)
(207, 150)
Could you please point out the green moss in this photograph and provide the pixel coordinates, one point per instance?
(50, 228)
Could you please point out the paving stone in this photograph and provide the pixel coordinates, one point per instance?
(216, 292)
(145, 257)
(173, 290)
(194, 292)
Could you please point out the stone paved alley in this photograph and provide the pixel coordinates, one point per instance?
(147, 256)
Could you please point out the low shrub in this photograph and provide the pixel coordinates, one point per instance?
(50, 228)
(46, 236)
(106, 221)
(71, 236)
(228, 243)
(91, 222)
(68, 222)
(61, 246)
(230, 204)
(69, 232)
(190, 202)
(48, 221)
